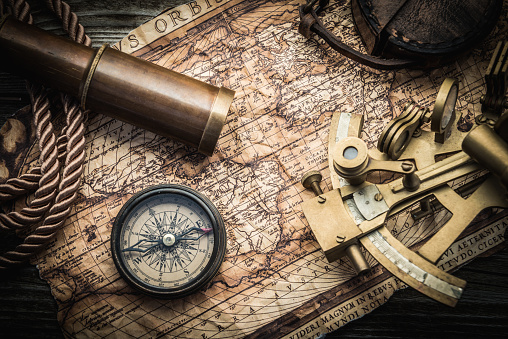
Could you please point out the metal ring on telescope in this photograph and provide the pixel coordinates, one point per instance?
(91, 71)
(216, 120)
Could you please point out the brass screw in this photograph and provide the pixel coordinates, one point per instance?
(340, 239)
(378, 197)
(407, 166)
(311, 180)
(321, 199)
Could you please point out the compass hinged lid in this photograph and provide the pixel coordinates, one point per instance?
(409, 33)
(434, 30)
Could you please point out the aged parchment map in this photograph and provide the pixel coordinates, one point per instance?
(275, 280)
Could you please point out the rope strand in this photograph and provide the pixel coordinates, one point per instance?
(21, 10)
(22, 185)
(55, 194)
(50, 166)
(70, 21)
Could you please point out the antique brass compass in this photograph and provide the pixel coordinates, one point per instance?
(168, 241)
(356, 210)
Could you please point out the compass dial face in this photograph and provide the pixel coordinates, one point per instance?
(168, 241)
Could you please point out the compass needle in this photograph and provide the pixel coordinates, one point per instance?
(137, 249)
(204, 230)
(165, 224)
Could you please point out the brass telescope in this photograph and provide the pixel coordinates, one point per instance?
(117, 84)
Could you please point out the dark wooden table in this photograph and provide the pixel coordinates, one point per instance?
(27, 308)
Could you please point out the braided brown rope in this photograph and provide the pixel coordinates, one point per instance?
(70, 21)
(25, 184)
(51, 153)
(28, 182)
(21, 10)
(42, 116)
(50, 166)
(66, 196)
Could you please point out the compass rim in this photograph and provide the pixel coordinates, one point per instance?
(202, 278)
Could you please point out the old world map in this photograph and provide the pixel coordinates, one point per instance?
(275, 280)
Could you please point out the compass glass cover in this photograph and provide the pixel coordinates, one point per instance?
(168, 241)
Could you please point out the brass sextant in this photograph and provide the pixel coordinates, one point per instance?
(356, 210)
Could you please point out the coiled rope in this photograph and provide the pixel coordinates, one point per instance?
(55, 185)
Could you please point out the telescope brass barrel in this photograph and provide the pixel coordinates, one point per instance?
(118, 85)
(489, 150)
